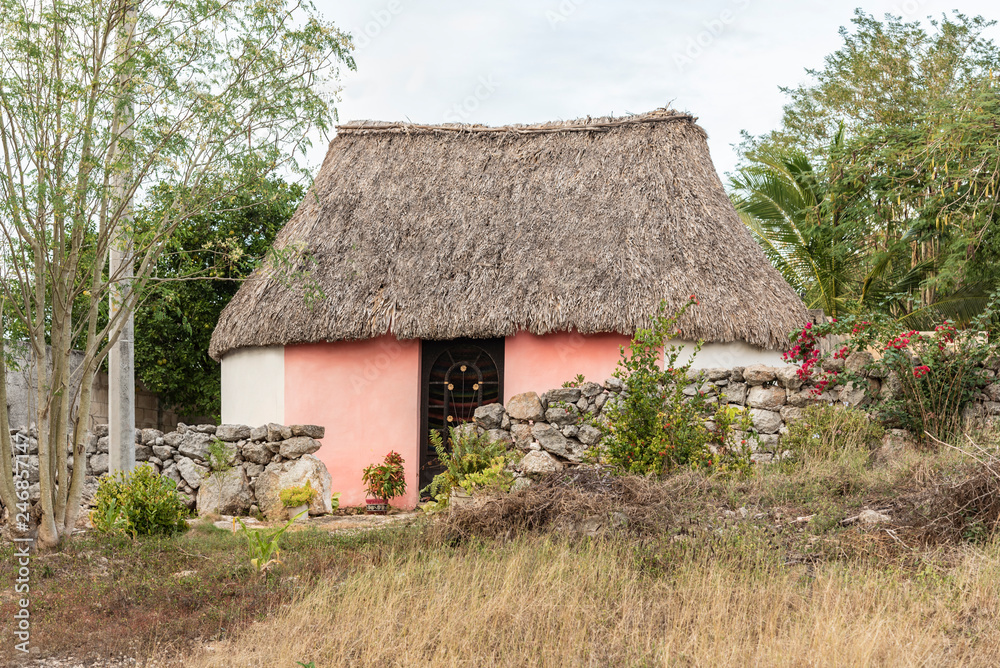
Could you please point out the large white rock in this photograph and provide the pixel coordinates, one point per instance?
(225, 493)
(537, 462)
(295, 473)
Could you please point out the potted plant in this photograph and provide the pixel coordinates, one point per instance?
(384, 482)
(296, 501)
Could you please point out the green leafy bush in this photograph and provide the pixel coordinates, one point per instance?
(936, 373)
(475, 461)
(220, 456)
(654, 426)
(292, 497)
(140, 503)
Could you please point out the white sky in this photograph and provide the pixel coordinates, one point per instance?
(526, 61)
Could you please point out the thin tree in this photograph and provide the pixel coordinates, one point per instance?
(202, 93)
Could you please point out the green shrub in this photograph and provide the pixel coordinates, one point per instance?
(140, 503)
(824, 431)
(475, 461)
(220, 456)
(292, 497)
(653, 426)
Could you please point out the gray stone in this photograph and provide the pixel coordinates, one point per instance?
(599, 401)
(253, 470)
(100, 430)
(294, 473)
(855, 394)
(520, 483)
(149, 436)
(501, 436)
(570, 395)
(143, 453)
(736, 393)
(232, 432)
(690, 390)
(298, 446)
(991, 408)
(857, 362)
(155, 460)
(225, 493)
(768, 397)
(204, 428)
(489, 416)
(590, 389)
(99, 464)
(589, 435)
(832, 363)
(737, 374)
(537, 462)
(192, 473)
(992, 391)
(551, 439)
(614, 384)
(195, 444)
(758, 374)
(891, 387)
(789, 413)
(583, 404)
(801, 399)
(310, 430)
(561, 415)
(102, 444)
(765, 443)
(715, 375)
(871, 517)
(277, 432)
(766, 422)
(521, 433)
(505, 422)
(258, 433)
(163, 452)
(525, 406)
(570, 431)
(170, 471)
(174, 439)
(257, 452)
(788, 377)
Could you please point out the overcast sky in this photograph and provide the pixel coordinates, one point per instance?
(527, 61)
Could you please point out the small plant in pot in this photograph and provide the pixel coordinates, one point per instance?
(296, 500)
(384, 482)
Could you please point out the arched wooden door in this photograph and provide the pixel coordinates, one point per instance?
(457, 377)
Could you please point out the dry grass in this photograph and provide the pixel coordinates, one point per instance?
(542, 602)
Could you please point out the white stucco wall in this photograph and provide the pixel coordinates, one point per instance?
(728, 355)
(253, 386)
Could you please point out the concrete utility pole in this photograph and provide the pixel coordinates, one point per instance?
(121, 358)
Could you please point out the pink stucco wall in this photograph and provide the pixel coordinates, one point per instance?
(538, 363)
(367, 395)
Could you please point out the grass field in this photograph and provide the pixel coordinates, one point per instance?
(582, 570)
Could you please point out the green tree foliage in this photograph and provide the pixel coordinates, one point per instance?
(899, 127)
(199, 272)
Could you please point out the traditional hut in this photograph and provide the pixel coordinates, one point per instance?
(432, 269)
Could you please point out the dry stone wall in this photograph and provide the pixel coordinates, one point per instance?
(556, 428)
(258, 463)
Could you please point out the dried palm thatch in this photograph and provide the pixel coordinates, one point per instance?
(438, 232)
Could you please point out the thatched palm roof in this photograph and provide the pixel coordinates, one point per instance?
(438, 232)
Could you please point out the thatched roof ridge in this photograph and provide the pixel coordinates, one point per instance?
(444, 231)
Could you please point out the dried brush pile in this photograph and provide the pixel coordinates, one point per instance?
(964, 507)
(584, 501)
